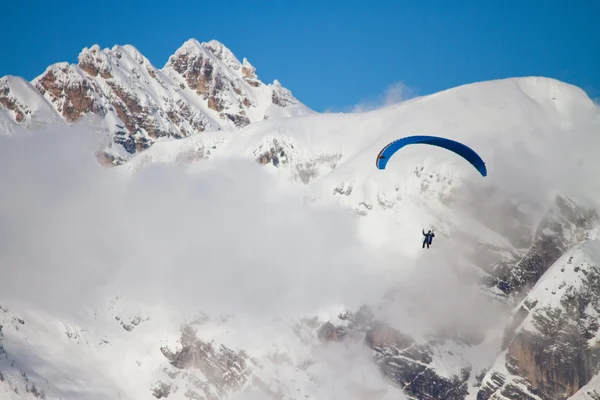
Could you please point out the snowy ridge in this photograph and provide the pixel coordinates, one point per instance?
(20, 103)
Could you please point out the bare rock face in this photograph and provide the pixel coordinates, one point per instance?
(203, 87)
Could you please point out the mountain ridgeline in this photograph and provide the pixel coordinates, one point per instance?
(202, 87)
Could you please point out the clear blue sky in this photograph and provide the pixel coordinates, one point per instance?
(332, 54)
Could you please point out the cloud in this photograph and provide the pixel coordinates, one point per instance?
(227, 239)
(393, 94)
(336, 371)
(436, 298)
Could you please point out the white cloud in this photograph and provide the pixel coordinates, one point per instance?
(223, 240)
(395, 93)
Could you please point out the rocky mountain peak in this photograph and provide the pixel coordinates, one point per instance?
(223, 54)
(95, 62)
(69, 90)
(249, 74)
(202, 87)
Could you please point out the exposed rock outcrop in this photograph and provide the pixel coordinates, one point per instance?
(552, 348)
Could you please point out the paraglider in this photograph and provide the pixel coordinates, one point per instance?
(461, 149)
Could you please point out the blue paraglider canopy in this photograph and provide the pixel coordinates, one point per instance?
(462, 150)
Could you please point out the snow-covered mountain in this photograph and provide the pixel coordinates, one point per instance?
(202, 87)
(504, 305)
(552, 348)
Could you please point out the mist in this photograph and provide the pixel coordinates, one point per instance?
(223, 240)
(394, 93)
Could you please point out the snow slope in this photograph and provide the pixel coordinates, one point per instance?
(22, 104)
(591, 391)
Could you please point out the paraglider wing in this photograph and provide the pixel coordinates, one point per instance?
(462, 150)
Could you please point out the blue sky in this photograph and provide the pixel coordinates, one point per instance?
(332, 54)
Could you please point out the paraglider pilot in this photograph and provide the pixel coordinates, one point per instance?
(428, 238)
